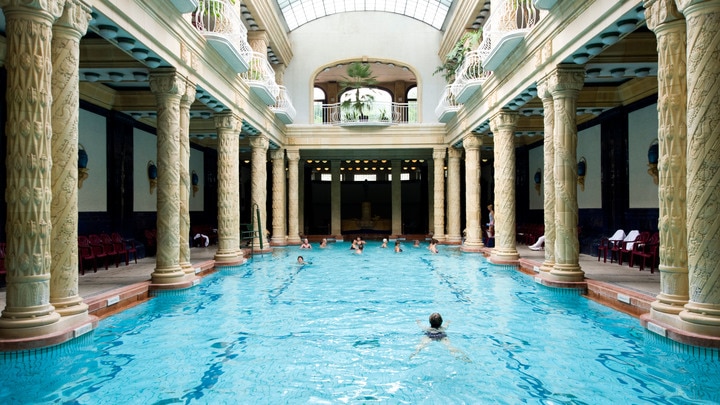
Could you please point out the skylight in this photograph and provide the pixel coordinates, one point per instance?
(299, 12)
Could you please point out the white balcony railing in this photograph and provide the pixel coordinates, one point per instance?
(283, 107)
(447, 107)
(506, 27)
(261, 78)
(220, 24)
(379, 113)
(469, 77)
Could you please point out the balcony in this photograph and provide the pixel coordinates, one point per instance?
(185, 6)
(506, 27)
(447, 107)
(469, 77)
(261, 79)
(283, 107)
(220, 24)
(378, 114)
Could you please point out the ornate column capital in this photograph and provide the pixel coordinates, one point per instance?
(259, 142)
(53, 8)
(189, 96)
(683, 5)
(259, 41)
(543, 89)
(472, 142)
(566, 81)
(503, 119)
(167, 82)
(75, 18)
(439, 153)
(658, 12)
(293, 155)
(277, 154)
(227, 121)
(455, 153)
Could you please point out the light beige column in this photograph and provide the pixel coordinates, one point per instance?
(335, 202)
(548, 174)
(669, 26)
(293, 237)
(473, 237)
(301, 197)
(28, 194)
(279, 231)
(185, 181)
(503, 126)
(396, 197)
(258, 191)
(439, 193)
(168, 87)
(431, 196)
(228, 192)
(564, 85)
(72, 25)
(454, 235)
(702, 312)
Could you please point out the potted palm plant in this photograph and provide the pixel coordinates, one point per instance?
(359, 75)
(455, 58)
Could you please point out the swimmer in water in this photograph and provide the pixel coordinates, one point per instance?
(437, 332)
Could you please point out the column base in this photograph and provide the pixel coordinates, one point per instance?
(504, 256)
(701, 318)
(34, 338)
(227, 256)
(281, 241)
(188, 269)
(674, 328)
(472, 246)
(294, 240)
(547, 266)
(453, 239)
(566, 273)
(171, 275)
(12, 326)
(69, 306)
(669, 304)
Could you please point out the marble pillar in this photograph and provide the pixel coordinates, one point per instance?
(279, 232)
(439, 193)
(669, 26)
(473, 234)
(185, 181)
(228, 172)
(28, 194)
(454, 235)
(68, 29)
(564, 85)
(702, 312)
(503, 126)
(396, 197)
(293, 237)
(335, 201)
(258, 190)
(548, 174)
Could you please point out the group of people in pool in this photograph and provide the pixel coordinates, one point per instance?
(358, 245)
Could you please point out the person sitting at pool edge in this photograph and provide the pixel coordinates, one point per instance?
(437, 332)
(306, 244)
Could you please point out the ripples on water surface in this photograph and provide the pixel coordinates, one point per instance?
(342, 330)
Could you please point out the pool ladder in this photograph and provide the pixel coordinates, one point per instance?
(249, 232)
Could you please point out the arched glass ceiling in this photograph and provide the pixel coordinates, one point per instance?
(299, 12)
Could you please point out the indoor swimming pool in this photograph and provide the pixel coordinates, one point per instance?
(342, 330)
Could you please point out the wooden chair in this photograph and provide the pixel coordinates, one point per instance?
(647, 250)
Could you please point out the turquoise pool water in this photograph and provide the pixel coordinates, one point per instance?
(342, 330)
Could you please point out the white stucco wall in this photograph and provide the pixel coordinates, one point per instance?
(197, 163)
(144, 150)
(642, 130)
(92, 130)
(355, 35)
(589, 146)
(535, 161)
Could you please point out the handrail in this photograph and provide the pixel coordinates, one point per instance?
(376, 113)
(283, 103)
(221, 17)
(261, 73)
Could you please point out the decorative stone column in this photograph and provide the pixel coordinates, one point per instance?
(473, 237)
(439, 193)
(564, 85)
(702, 312)
(396, 197)
(548, 174)
(293, 237)
(335, 202)
(28, 194)
(279, 234)
(185, 181)
(258, 191)
(430, 174)
(301, 197)
(67, 31)
(168, 87)
(669, 26)
(454, 235)
(503, 126)
(228, 172)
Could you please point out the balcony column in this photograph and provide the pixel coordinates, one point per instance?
(548, 174)
(702, 312)
(430, 174)
(301, 197)
(279, 234)
(669, 26)
(279, 73)
(503, 126)
(454, 235)
(185, 181)
(293, 237)
(228, 188)
(564, 85)
(28, 132)
(259, 42)
(439, 193)
(64, 209)
(473, 238)
(396, 198)
(258, 190)
(335, 215)
(168, 87)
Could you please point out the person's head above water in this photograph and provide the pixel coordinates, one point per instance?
(435, 320)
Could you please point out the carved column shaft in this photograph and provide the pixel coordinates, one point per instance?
(548, 175)
(335, 200)
(185, 182)
(702, 312)
(473, 238)
(453, 196)
(670, 29)
(28, 160)
(439, 193)
(564, 84)
(503, 126)
(228, 129)
(67, 31)
(293, 198)
(258, 190)
(279, 234)
(396, 197)
(168, 87)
